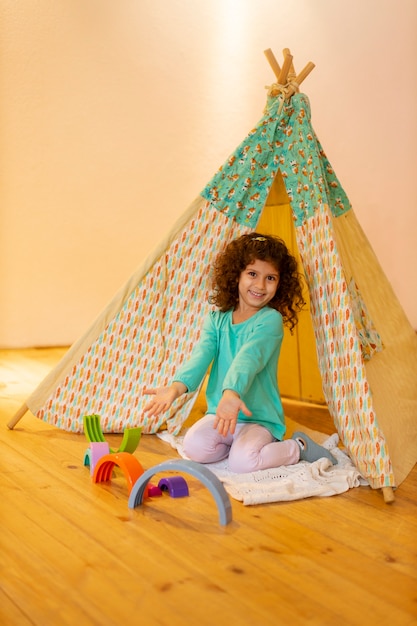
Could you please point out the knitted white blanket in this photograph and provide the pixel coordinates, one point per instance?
(291, 482)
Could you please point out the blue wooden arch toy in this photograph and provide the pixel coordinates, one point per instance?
(197, 470)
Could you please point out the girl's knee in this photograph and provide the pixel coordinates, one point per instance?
(194, 447)
(246, 452)
(243, 463)
(204, 445)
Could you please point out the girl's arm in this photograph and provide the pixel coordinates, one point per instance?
(228, 411)
(163, 397)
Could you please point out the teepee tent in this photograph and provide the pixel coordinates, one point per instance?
(366, 348)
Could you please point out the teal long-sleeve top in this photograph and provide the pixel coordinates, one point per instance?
(244, 358)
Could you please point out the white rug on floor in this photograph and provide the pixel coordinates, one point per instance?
(291, 482)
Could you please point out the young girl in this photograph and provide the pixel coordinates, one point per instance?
(256, 289)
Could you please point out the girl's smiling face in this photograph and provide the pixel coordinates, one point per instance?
(257, 286)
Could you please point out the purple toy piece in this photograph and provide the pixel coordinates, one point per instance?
(175, 485)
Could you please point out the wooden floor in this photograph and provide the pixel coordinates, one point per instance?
(72, 552)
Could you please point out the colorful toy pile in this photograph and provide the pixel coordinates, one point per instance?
(102, 460)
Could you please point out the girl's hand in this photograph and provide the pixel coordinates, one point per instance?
(227, 412)
(163, 397)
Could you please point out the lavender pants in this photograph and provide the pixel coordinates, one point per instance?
(251, 448)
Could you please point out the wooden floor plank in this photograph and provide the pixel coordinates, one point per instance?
(348, 563)
(136, 561)
(10, 613)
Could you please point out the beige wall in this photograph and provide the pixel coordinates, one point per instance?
(114, 114)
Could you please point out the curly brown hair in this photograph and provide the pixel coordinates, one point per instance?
(243, 251)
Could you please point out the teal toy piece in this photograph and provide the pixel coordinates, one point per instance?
(197, 470)
(93, 433)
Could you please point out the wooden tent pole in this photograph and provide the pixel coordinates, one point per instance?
(283, 76)
(286, 76)
(291, 74)
(304, 73)
(294, 84)
(388, 494)
(18, 416)
(273, 62)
